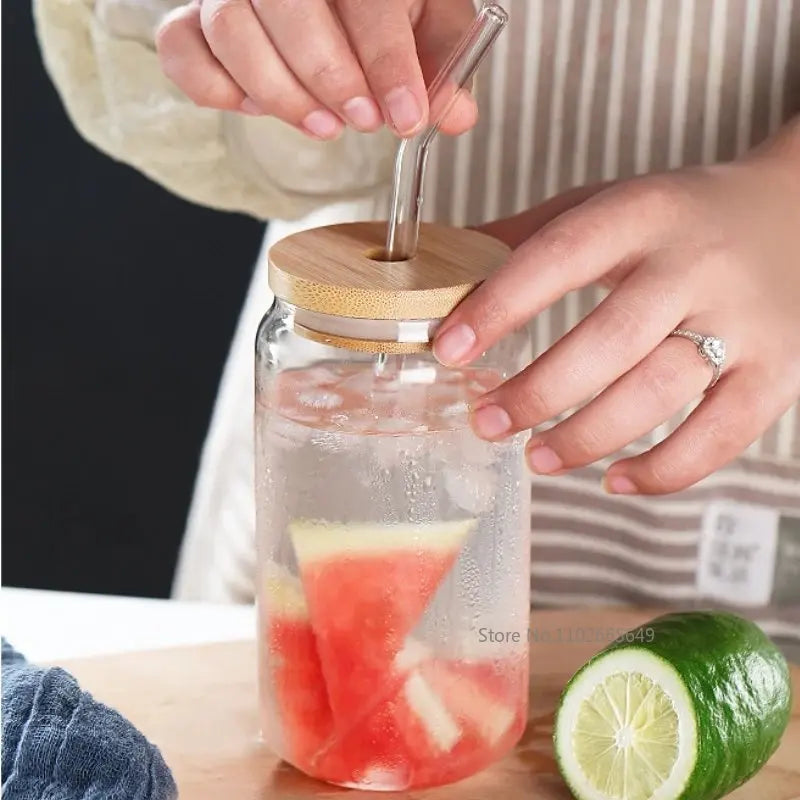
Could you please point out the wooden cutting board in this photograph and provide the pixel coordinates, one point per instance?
(198, 704)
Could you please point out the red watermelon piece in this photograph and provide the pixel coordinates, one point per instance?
(296, 673)
(488, 700)
(486, 696)
(367, 585)
(448, 720)
(386, 748)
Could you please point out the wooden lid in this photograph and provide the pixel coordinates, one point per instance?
(337, 270)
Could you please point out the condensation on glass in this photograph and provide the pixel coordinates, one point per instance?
(393, 544)
(391, 540)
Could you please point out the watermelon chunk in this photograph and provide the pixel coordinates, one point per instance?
(488, 701)
(367, 585)
(296, 673)
(386, 748)
(484, 696)
(448, 720)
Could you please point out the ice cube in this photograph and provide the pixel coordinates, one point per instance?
(471, 489)
(355, 422)
(330, 441)
(442, 729)
(385, 385)
(320, 398)
(424, 374)
(455, 409)
(476, 388)
(361, 382)
(414, 652)
(321, 376)
(388, 778)
(394, 425)
(386, 452)
(478, 452)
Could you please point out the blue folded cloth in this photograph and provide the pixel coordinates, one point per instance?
(61, 744)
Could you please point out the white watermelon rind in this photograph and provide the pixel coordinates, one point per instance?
(318, 541)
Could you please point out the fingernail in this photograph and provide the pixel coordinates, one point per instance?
(454, 344)
(322, 124)
(491, 422)
(249, 106)
(544, 460)
(362, 113)
(404, 109)
(619, 484)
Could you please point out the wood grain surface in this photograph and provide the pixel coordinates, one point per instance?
(337, 269)
(199, 705)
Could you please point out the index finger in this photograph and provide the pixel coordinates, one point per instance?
(383, 39)
(614, 227)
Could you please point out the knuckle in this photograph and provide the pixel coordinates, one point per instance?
(559, 243)
(205, 89)
(661, 377)
(561, 246)
(662, 475)
(492, 312)
(287, 7)
(180, 74)
(356, 8)
(165, 37)
(661, 197)
(224, 19)
(215, 94)
(620, 322)
(387, 68)
(333, 77)
(527, 405)
(581, 444)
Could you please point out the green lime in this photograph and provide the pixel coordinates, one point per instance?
(686, 707)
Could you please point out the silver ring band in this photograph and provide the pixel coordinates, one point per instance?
(711, 350)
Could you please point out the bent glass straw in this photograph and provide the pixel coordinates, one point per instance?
(409, 169)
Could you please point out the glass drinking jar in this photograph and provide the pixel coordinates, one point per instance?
(393, 544)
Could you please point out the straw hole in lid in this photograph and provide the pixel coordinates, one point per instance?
(379, 254)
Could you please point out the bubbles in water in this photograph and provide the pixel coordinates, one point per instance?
(318, 398)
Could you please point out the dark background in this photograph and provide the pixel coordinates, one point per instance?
(117, 317)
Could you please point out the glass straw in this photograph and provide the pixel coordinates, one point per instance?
(409, 169)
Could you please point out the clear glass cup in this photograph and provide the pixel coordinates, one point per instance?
(393, 557)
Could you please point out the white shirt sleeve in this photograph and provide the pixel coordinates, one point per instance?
(101, 57)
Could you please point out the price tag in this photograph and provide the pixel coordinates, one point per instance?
(736, 561)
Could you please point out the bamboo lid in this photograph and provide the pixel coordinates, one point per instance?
(337, 270)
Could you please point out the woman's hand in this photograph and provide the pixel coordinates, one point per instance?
(317, 64)
(715, 250)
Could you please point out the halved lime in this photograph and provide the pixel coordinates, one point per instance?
(687, 706)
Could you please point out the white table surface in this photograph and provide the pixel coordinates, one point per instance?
(50, 626)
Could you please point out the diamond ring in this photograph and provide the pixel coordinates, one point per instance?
(711, 349)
